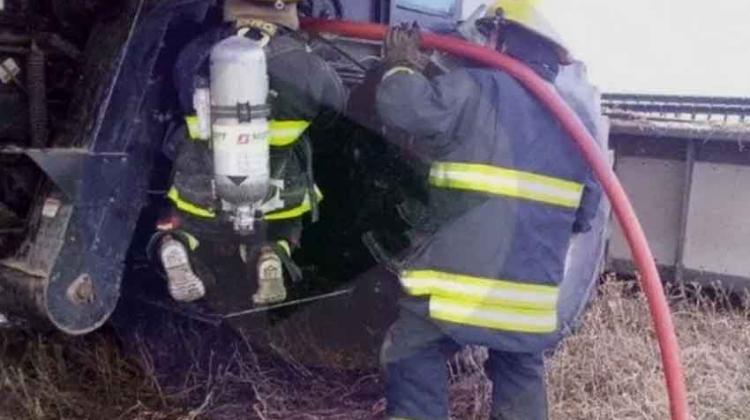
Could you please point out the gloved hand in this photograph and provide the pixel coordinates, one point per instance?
(401, 47)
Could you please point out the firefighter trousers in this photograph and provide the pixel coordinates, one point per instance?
(414, 358)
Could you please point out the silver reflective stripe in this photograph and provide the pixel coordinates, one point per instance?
(487, 303)
(507, 182)
(476, 289)
(493, 317)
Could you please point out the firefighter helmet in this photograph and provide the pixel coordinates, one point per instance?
(526, 13)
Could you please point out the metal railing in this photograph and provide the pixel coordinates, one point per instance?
(678, 107)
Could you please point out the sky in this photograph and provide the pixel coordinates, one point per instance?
(675, 47)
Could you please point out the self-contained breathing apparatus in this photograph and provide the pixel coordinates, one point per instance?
(233, 112)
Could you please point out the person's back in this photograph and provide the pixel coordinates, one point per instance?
(507, 187)
(302, 85)
(508, 191)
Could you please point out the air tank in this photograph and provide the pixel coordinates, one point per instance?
(240, 130)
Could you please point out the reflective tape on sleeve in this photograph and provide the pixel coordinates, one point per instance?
(188, 207)
(295, 212)
(507, 182)
(193, 242)
(286, 133)
(193, 127)
(285, 246)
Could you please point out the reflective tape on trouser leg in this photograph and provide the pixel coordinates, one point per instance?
(485, 303)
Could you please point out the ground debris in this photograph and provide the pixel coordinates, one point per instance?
(609, 370)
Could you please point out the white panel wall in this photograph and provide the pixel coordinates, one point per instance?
(718, 231)
(655, 187)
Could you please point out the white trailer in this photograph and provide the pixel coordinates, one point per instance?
(685, 163)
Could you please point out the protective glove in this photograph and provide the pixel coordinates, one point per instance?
(401, 48)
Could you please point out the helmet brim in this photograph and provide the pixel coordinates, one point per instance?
(537, 24)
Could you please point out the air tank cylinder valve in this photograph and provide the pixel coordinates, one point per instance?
(240, 129)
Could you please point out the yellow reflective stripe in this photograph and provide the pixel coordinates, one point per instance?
(285, 133)
(480, 290)
(285, 246)
(486, 303)
(188, 207)
(193, 242)
(507, 182)
(493, 316)
(193, 127)
(295, 212)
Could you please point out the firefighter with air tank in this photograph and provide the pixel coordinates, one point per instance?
(249, 90)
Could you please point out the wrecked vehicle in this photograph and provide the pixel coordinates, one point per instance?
(86, 177)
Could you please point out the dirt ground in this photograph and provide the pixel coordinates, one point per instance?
(609, 370)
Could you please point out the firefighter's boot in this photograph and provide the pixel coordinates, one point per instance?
(184, 284)
(271, 288)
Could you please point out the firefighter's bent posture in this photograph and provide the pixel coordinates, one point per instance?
(507, 192)
(301, 84)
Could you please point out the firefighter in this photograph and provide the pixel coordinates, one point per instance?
(507, 190)
(302, 85)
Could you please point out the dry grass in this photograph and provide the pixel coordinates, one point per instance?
(57, 377)
(610, 370)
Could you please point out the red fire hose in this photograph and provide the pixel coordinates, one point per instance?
(651, 283)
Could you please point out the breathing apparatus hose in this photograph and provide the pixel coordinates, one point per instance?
(547, 95)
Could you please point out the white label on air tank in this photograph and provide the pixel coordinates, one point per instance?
(242, 150)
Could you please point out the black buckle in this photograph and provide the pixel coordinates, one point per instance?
(244, 112)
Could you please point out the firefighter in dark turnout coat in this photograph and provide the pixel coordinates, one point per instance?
(508, 189)
(302, 85)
